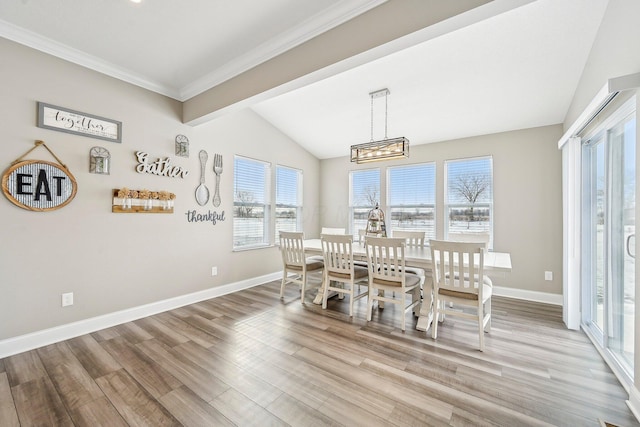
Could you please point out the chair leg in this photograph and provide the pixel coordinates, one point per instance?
(351, 295)
(416, 296)
(325, 293)
(481, 326)
(434, 322)
(370, 302)
(284, 281)
(304, 285)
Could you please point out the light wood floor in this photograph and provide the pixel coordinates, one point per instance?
(251, 359)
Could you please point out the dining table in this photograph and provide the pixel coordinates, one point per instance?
(495, 264)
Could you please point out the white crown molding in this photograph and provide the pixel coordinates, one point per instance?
(305, 31)
(321, 22)
(22, 343)
(62, 51)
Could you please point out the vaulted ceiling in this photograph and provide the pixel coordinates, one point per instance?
(515, 66)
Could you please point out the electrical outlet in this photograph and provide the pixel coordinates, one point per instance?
(214, 271)
(67, 299)
(548, 275)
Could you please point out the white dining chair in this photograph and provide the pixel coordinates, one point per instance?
(333, 230)
(470, 237)
(295, 262)
(416, 239)
(458, 276)
(341, 274)
(387, 272)
(412, 238)
(362, 233)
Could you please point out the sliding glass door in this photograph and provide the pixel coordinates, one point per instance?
(608, 218)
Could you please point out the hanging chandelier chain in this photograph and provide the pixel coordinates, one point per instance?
(371, 118)
(386, 149)
(386, 97)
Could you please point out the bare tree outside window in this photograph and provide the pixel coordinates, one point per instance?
(246, 198)
(371, 196)
(471, 187)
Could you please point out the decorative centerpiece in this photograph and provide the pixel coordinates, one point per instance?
(375, 223)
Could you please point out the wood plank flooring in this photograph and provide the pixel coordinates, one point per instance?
(251, 359)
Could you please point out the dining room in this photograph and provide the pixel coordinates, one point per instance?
(91, 266)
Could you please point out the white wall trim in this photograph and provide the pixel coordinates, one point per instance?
(602, 98)
(59, 50)
(22, 343)
(634, 401)
(340, 13)
(571, 234)
(535, 296)
(305, 31)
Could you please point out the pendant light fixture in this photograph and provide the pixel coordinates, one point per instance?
(385, 149)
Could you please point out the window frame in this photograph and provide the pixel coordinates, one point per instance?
(353, 227)
(430, 232)
(265, 205)
(448, 205)
(298, 206)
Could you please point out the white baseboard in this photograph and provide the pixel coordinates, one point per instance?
(44, 337)
(634, 402)
(555, 299)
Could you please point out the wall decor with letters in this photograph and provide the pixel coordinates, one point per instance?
(161, 167)
(39, 185)
(71, 121)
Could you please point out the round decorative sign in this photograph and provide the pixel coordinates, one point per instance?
(37, 185)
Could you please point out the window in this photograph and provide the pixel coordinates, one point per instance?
(364, 193)
(469, 196)
(288, 200)
(411, 198)
(250, 203)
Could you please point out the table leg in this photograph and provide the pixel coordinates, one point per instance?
(318, 299)
(426, 309)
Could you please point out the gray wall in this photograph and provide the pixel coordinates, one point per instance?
(117, 261)
(615, 53)
(527, 197)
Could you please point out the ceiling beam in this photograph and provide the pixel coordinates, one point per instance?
(390, 27)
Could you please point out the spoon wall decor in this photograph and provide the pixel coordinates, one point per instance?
(202, 192)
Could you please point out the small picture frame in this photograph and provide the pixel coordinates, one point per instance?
(75, 122)
(99, 161)
(182, 146)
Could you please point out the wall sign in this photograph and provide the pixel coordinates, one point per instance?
(75, 122)
(212, 217)
(161, 167)
(37, 185)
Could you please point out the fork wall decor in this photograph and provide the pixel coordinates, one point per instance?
(217, 169)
